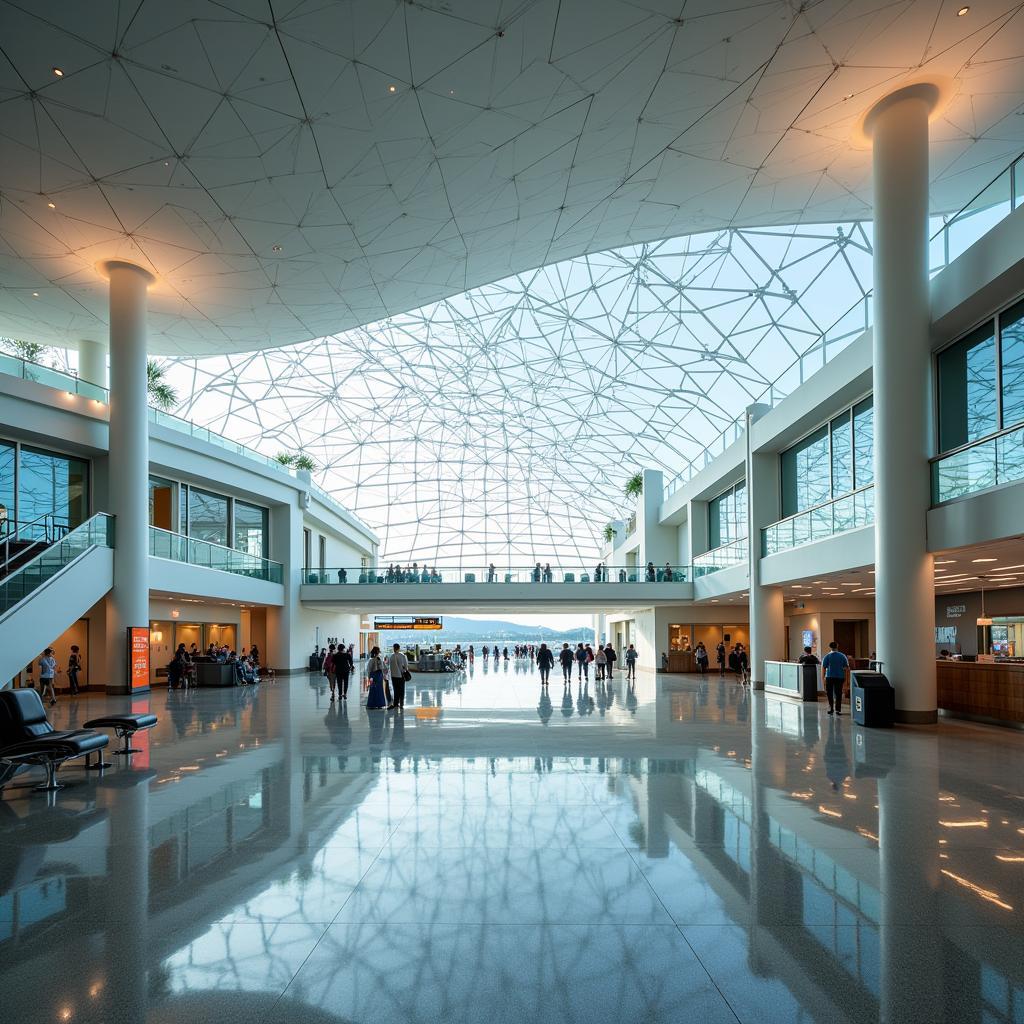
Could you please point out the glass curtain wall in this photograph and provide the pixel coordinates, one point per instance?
(8, 460)
(161, 503)
(727, 516)
(208, 517)
(981, 407)
(46, 483)
(252, 525)
(832, 461)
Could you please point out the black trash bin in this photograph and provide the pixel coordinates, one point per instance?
(873, 699)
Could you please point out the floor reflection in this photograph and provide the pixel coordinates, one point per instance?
(671, 850)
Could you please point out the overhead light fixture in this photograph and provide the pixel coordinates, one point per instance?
(962, 11)
(984, 559)
(35, 295)
(58, 72)
(392, 88)
(275, 248)
(52, 205)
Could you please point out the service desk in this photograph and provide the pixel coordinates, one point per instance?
(215, 673)
(681, 661)
(791, 679)
(992, 691)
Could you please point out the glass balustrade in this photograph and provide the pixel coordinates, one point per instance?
(848, 512)
(95, 532)
(14, 366)
(614, 574)
(986, 463)
(733, 553)
(178, 548)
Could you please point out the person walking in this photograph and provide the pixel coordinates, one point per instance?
(700, 655)
(545, 662)
(376, 700)
(600, 663)
(342, 670)
(398, 665)
(47, 670)
(581, 662)
(329, 668)
(744, 661)
(631, 656)
(834, 667)
(74, 667)
(566, 658)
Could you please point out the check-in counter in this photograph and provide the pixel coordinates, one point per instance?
(790, 679)
(681, 661)
(988, 690)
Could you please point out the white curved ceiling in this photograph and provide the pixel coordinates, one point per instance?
(294, 168)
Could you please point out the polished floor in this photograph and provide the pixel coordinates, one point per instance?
(674, 850)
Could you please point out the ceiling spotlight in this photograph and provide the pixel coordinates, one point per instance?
(848, 96)
(984, 559)
(35, 295)
(58, 72)
(275, 248)
(962, 11)
(392, 88)
(52, 205)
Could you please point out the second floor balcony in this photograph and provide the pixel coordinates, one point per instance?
(722, 557)
(847, 512)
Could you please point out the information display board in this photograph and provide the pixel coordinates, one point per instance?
(138, 657)
(418, 622)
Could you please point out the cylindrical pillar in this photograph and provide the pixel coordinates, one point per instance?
(92, 362)
(904, 574)
(766, 608)
(129, 464)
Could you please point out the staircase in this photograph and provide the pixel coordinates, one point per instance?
(46, 587)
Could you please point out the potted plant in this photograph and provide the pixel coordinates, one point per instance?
(634, 485)
(610, 533)
(305, 463)
(285, 459)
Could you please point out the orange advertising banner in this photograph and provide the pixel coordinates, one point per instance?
(138, 657)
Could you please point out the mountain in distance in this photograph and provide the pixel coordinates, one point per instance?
(459, 630)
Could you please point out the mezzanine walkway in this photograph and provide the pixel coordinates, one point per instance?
(469, 590)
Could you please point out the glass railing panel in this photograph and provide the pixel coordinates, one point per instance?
(963, 472)
(567, 574)
(193, 551)
(733, 553)
(982, 214)
(94, 532)
(1010, 456)
(847, 512)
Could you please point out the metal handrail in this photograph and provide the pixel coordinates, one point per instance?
(974, 444)
(49, 536)
(483, 575)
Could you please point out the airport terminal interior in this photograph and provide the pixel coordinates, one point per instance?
(510, 511)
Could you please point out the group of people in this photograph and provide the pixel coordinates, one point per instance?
(181, 671)
(582, 657)
(388, 676)
(337, 663)
(653, 575)
(411, 574)
(49, 670)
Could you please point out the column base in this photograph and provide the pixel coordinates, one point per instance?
(916, 717)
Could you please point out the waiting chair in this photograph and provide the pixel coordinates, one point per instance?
(28, 738)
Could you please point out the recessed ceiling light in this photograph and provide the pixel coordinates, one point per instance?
(848, 96)
(52, 206)
(275, 248)
(58, 72)
(984, 559)
(945, 561)
(962, 12)
(35, 295)
(392, 88)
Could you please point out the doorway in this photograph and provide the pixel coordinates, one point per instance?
(852, 636)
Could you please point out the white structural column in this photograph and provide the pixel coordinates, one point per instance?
(767, 612)
(128, 464)
(904, 573)
(92, 362)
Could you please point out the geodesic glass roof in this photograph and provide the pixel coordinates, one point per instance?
(501, 424)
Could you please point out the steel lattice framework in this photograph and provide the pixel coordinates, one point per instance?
(501, 424)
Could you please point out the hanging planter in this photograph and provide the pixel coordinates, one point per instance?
(634, 486)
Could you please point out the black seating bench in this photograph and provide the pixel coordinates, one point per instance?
(124, 726)
(28, 738)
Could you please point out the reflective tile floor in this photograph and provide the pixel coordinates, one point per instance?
(675, 850)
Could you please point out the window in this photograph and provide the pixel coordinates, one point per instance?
(161, 503)
(251, 529)
(183, 508)
(8, 460)
(863, 443)
(835, 460)
(806, 473)
(323, 553)
(967, 389)
(1011, 354)
(727, 516)
(55, 484)
(307, 548)
(208, 517)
